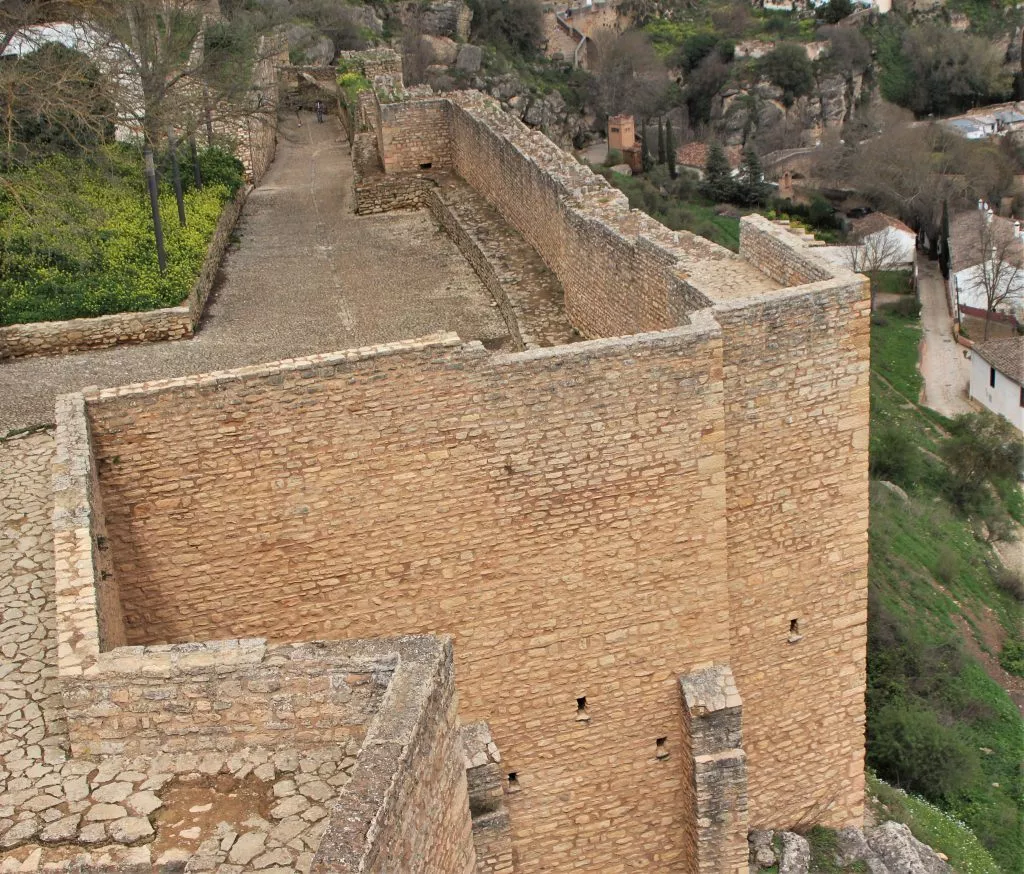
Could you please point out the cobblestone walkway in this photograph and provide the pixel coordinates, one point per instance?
(253, 810)
(307, 276)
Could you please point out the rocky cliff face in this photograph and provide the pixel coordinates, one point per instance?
(738, 113)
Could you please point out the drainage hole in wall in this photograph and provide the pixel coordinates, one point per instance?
(660, 749)
(794, 631)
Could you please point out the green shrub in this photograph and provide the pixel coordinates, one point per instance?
(910, 748)
(76, 236)
(1011, 657)
(894, 456)
(1009, 581)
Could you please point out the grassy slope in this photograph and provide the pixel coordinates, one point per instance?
(927, 569)
(680, 213)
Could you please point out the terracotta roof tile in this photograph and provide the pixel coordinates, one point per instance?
(875, 222)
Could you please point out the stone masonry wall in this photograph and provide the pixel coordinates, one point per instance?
(796, 389)
(465, 238)
(415, 135)
(406, 808)
(223, 696)
(169, 323)
(615, 283)
(774, 251)
(546, 508)
(714, 743)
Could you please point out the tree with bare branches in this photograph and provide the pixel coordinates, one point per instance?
(999, 273)
(874, 254)
(628, 75)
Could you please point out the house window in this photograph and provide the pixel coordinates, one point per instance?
(991, 377)
(1022, 395)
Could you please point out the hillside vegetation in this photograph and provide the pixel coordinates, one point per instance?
(942, 608)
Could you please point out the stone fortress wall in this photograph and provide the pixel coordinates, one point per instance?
(390, 702)
(598, 525)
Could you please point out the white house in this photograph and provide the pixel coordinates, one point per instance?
(997, 377)
(883, 243)
(987, 255)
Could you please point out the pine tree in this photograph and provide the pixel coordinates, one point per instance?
(944, 242)
(670, 150)
(661, 143)
(718, 184)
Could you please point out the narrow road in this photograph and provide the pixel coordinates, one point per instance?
(307, 276)
(945, 369)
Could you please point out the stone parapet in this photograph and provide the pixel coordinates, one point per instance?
(169, 323)
(406, 807)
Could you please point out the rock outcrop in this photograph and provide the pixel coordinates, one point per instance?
(890, 848)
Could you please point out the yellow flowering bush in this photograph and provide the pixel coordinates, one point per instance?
(76, 236)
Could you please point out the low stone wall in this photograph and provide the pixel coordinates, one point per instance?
(780, 255)
(224, 696)
(375, 192)
(168, 323)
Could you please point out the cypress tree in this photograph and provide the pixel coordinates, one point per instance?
(670, 150)
(944, 242)
(661, 143)
(753, 188)
(645, 151)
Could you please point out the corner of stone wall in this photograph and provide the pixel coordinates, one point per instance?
(406, 807)
(712, 719)
(781, 255)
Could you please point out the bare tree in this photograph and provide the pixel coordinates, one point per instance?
(628, 75)
(1000, 271)
(17, 17)
(874, 254)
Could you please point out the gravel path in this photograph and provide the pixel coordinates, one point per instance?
(945, 370)
(307, 276)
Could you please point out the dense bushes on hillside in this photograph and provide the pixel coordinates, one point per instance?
(76, 235)
(937, 723)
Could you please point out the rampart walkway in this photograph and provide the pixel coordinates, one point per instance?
(307, 276)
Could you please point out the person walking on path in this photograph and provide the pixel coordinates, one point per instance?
(319, 107)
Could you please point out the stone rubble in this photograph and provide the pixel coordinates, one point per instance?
(110, 813)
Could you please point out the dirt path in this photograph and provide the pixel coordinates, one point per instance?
(945, 370)
(307, 276)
